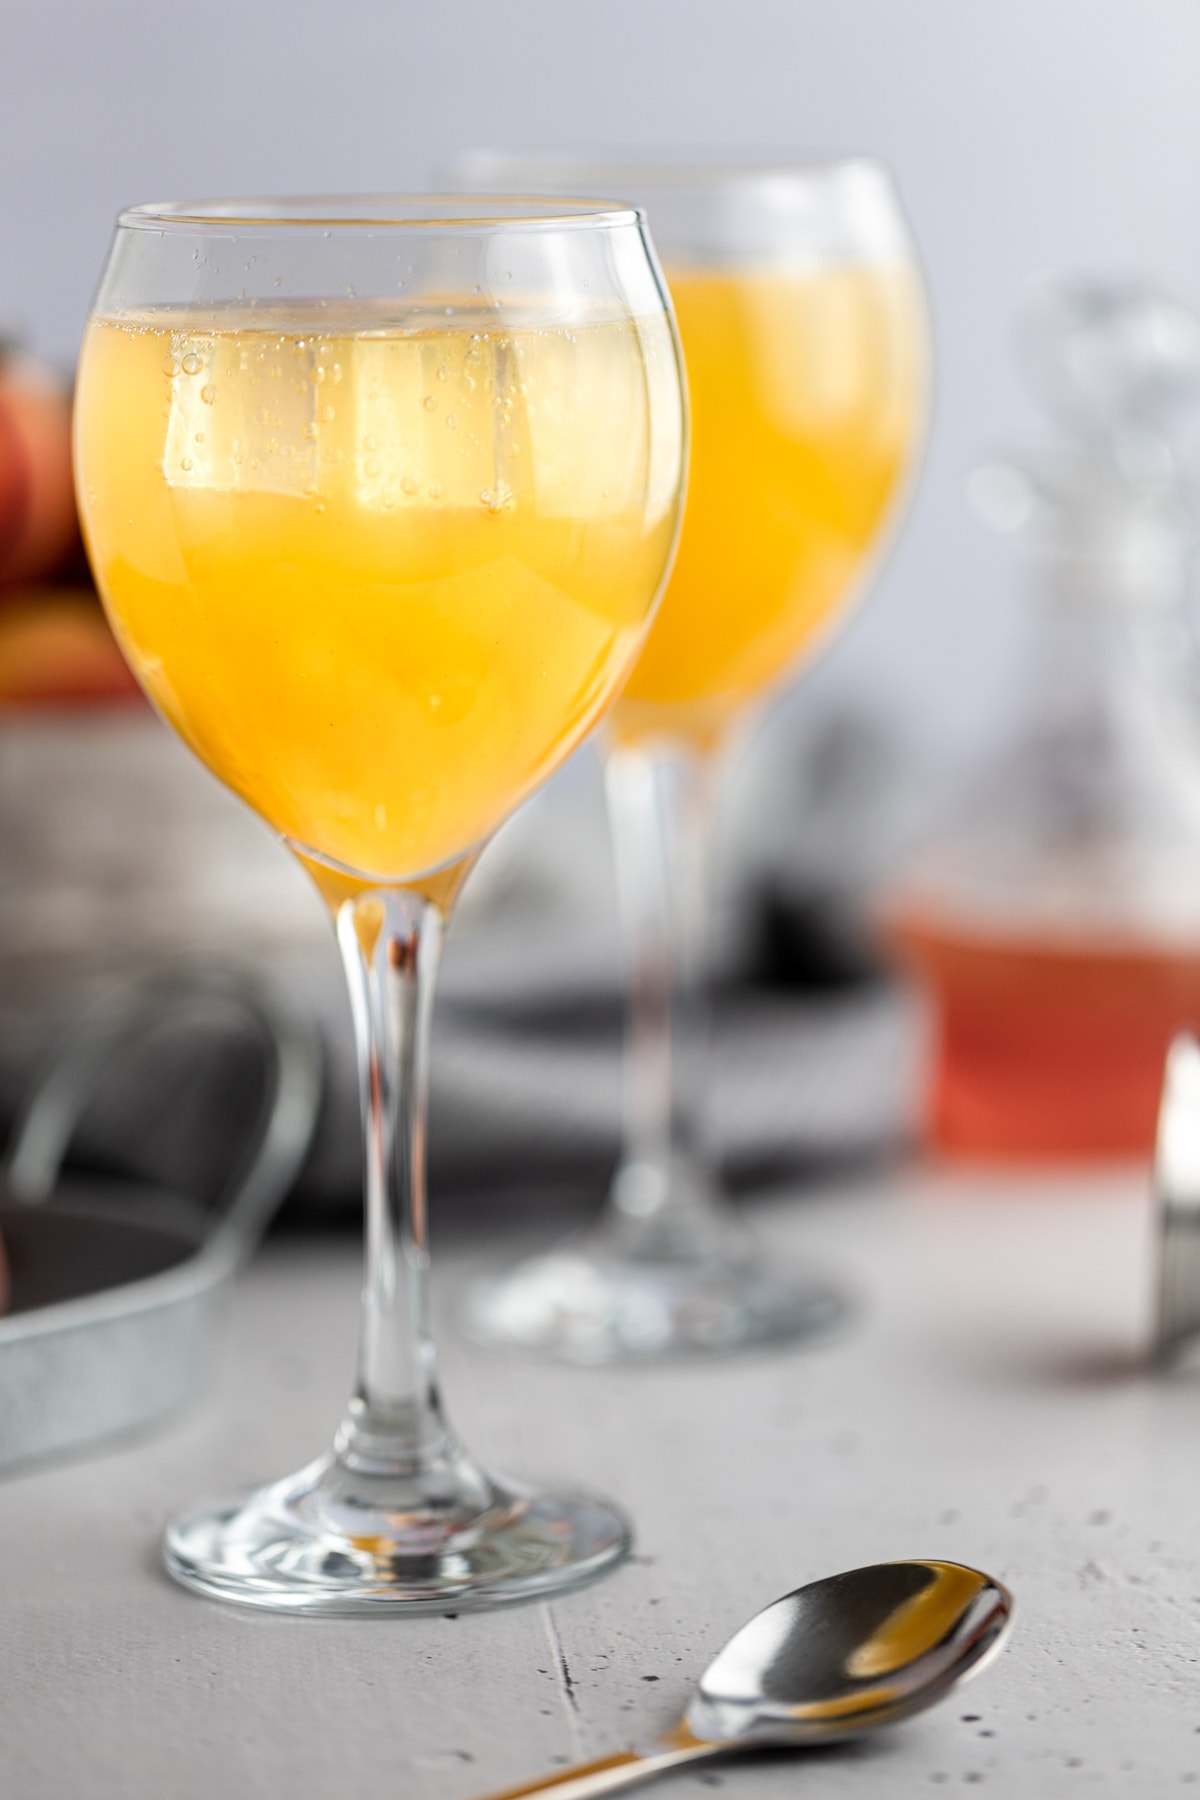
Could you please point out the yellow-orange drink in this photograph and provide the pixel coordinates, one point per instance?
(369, 565)
(807, 394)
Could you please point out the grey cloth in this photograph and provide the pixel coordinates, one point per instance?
(794, 1081)
(121, 852)
(527, 1094)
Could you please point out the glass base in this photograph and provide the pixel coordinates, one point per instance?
(586, 1303)
(283, 1548)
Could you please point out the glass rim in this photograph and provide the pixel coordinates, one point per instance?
(401, 213)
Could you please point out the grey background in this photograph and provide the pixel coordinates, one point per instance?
(1028, 137)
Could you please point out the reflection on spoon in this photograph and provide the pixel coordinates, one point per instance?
(833, 1659)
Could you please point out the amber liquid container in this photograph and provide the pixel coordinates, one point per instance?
(1046, 1050)
(1055, 926)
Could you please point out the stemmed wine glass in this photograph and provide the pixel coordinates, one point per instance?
(379, 493)
(800, 308)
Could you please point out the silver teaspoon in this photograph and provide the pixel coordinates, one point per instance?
(833, 1659)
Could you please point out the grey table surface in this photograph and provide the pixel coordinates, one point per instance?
(986, 1404)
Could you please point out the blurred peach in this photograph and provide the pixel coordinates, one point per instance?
(38, 524)
(55, 645)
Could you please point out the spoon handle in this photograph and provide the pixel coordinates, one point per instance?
(609, 1773)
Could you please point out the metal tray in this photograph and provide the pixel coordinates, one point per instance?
(116, 1285)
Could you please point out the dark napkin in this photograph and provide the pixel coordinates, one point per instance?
(526, 1082)
(121, 852)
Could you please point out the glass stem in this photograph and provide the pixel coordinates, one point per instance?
(390, 940)
(664, 1197)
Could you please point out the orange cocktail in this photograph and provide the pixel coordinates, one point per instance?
(807, 393)
(380, 492)
(370, 568)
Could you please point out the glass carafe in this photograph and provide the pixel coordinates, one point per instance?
(1056, 922)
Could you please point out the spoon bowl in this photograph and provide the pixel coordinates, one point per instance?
(849, 1653)
(831, 1660)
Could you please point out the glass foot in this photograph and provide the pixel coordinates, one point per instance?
(289, 1548)
(586, 1303)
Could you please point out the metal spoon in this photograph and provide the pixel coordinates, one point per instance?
(833, 1659)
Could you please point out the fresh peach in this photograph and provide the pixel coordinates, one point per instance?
(55, 645)
(38, 523)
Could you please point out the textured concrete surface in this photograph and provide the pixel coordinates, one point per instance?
(986, 1404)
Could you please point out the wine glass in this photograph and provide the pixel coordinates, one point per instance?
(800, 307)
(379, 493)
